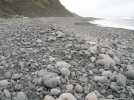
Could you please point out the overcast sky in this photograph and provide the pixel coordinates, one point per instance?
(100, 8)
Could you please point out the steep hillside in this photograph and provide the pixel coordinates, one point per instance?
(33, 8)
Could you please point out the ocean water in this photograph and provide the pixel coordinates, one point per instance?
(124, 22)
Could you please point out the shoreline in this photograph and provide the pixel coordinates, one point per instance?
(54, 58)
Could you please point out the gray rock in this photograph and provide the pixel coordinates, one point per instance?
(108, 58)
(113, 77)
(14, 98)
(103, 62)
(7, 93)
(130, 74)
(51, 82)
(65, 71)
(121, 80)
(132, 91)
(7, 75)
(3, 83)
(113, 87)
(107, 73)
(18, 87)
(60, 34)
(117, 60)
(102, 50)
(129, 68)
(66, 96)
(79, 88)
(21, 96)
(91, 96)
(55, 92)
(62, 64)
(22, 50)
(110, 53)
(101, 79)
(16, 76)
(47, 97)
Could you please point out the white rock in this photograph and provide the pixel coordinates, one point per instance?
(66, 96)
(108, 58)
(107, 73)
(39, 41)
(47, 97)
(91, 96)
(101, 79)
(3, 83)
(62, 64)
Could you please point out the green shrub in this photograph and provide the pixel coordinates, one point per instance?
(39, 4)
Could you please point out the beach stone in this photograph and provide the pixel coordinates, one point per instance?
(86, 89)
(3, 83)
(16, 76)
(129, 68)
(65, 72)
(110, 53)
(21, 96)
(91, 96)
(101, 79)
(51, 82)
(69, 87)
(117, 60)
(62, 64)
(108, 58)
(107, 73)
(102, 50)
(7, 75)
(66, 96)
(7, 93)
(121, 80)
(40, 80)
(132, 91)
(14, 98)
(18, 87)
(39, 41)
(78, 96)
(113, 77)
(47, 97)
(91, 65)
(55, 92)
(79, 88)
(130, 74)
(103, 62)
(60, 34)
(22, 50)
(113, 87)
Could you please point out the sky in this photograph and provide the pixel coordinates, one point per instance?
(101, 8)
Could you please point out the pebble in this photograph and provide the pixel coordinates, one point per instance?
(66, 96)
(62, 64)
(129, 68)
(121, 80)
(55, 92)
(51, 82)
(91, 96)
(18, 87)
(69, 87)
(7, 93)
(65, 72)
(47, 97)
(113, 87)
(130, 74)
(7, 75)
(21, 96)
(79, 88)
(16, 76)
(40, 81)
(107, 73)
(3, 83)
(101, 79)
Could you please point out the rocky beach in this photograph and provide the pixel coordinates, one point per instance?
(65, 59)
